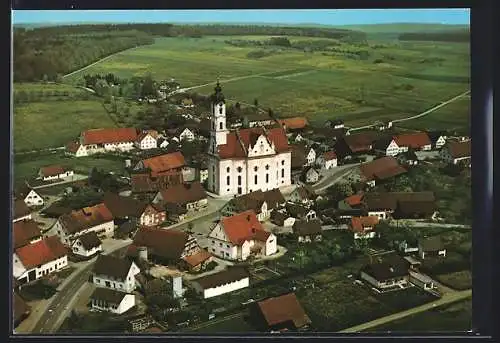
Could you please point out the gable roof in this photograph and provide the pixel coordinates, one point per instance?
(243, 227)
(254, 200)
(282, 309)
(52, 170)
(431, 244)
(302, 227)
(355, 199)
(85, 218)
(388, 269)
(110, 135)
(121, 207)
(294, 123)
(390, 200)
(108, 295)
(410, 208)
(23, 190)
(143, 135)
(24, 231)
(224, 277)
(298, 155)
(279, 218)
(309, 170)
(19, 307)
(330, 155)
(169, 244)
(201, 256)
(435, 135)
(358, 224)
(145, 183)
(41, 252)
(413, 140)
(459, 149)
(184, 193)
(73, 146)
(296, 211)
(239, 141)
(20, 209)
(90, 240)
(381, 168)
(361, 141)
(164, 162)
(112, 266)
(306, 192)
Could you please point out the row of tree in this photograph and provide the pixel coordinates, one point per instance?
(451, 36)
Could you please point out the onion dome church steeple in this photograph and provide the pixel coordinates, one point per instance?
(218, 97)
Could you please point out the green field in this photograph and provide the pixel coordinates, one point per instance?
(27, 166)
(39, 125)
(454, 317)
(408, 78)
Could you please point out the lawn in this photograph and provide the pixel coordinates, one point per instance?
(27, 166)
(233, 325)
(461, 280)
(454, 317)
(406, 79)
(39, 125)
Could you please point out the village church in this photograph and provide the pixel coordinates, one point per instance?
(245, 160)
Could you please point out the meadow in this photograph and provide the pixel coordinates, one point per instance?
(48, 124)
(402, 78)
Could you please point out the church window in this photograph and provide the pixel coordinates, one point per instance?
(227, 169)
(255, 179)
(283, 172)
(267, 178)
(282, 162)
(267, 167)
(239, 180)
(255, 168)
(213, 126)
(228, 180)
(220, 111)
(221, 125)
(239, 169)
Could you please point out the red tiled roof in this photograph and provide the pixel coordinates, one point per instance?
(164, 162)
(165, 243)
(86, 218)
(243, 226)
(145, 183)
(52, 170)
(294, 123)
(412, 140)
(20, 209)
(330, 155)
(381, 168)
(359, 223)
(184, 193)
(201, 256)
(283, 309)
(39, 253)
(459, 149)
(238, 143)
(24, 231)
(354, 199)
(111, 135)
(73, 146)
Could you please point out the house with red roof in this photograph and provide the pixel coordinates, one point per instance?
(33, 261)
(97, 218)
(103, 140)
(245, 160)
(327, 160)
(293, 123)
(455, 152)
(239, 236)
(188, 196)
(380, 170)
(363, 227)
(25, 232)
(161, 164)
(54, 172)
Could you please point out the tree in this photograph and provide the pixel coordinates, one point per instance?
(101, 87)
(339, 191)
(256, 102)
(148, 87)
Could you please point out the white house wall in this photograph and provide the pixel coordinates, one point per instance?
(230, 287)
(44, 269)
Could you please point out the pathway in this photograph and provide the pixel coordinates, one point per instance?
(418, 115)
(447, 298)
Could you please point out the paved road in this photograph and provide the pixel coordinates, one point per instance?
(418, 115)
(430, 224)
(58, 308)
(446, 299)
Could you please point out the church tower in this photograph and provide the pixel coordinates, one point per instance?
(218, 132)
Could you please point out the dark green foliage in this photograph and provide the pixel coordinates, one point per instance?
(453, 36)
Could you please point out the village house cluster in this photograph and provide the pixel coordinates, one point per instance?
(266, 171)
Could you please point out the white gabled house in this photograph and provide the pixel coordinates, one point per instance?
(239, 236)
(30, 197)
(108, 300)
(146, 140)
(96, 219)
(229, 280)
(187, 135)
(87, 245)
(103, 140)
(115, 273)
(455, 152)
(311, 157)
(33, 261)
(54, 173)
(327, 160)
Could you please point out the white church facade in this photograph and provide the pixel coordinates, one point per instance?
(245, 160)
